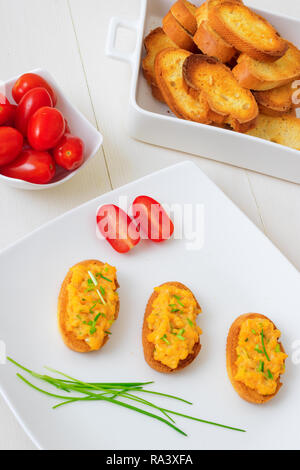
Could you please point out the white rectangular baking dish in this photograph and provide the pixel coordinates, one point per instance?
(152, 122)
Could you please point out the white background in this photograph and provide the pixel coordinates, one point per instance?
(67, 37)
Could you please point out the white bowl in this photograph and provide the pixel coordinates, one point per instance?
(79, 126)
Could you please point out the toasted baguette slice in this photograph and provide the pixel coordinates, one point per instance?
(284, 130)
(177, 33)
(276, 102)
(208, 40)
(245, 392)
(156, 93)
(149, 347)
(261, 76)
(168, 72)
(247, 31)
(155, 42)
(184, 12)
(70, 340)
(222, 91)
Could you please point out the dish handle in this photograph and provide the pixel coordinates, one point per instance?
(111, 51)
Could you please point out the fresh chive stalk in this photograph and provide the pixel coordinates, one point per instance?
(114, 393)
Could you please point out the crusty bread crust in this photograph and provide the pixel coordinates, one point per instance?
(69, 338)
(177, 33)
(168, 62)
(154, 43)
(149, 347)
(250, 46)
(156, 93)
(244, 392)
(276, 102)
(191, 69)
(208, 40)
(182, 11)
(257, 76)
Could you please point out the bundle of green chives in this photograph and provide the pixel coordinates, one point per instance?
(112, 393)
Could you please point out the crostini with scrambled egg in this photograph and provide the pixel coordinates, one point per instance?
(88, 305)
(171, 336)
(255, 358)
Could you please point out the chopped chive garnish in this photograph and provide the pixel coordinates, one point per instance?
(165, 339)
(93, 307)
(263, 344)
(190, 322)
(105, 278)
(246, 340)
(107, 332)
(277, 349)
(258, 350)
(181, 337)
(102, 290)
(111, 393)
(93, 330)
(175, 310)
(181, 332)
(83, 300)
(270, 375)
(261, 366)
(172, 305)
(178, 300)
(253, 331)
(90, 282)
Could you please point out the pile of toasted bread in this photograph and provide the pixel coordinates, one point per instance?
(224, 65)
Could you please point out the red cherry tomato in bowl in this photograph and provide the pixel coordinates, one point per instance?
(117, 228)
(7, 114)
(32, 166)
(32, 101)
(45, 128)
(11, 143)
(151, 219)
(27, 82)
(69, 153)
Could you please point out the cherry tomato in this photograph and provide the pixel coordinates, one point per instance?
(7, 114)
(11, 143)
(32, 166)
(45, 128)
(151, 219)
(69, 153)
(117, 228)
(32, 101)
(27, 82)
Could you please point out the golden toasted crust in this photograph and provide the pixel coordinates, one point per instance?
(155, 42)
(222, 91)
(276, 102)
(284, 130)
(184, 12)
(157, 93)
(260, 76)
(168, 72)
(208, 40)
(245, 392)
(149, 347)
(177, 33)
(247, 31)
(69, 338)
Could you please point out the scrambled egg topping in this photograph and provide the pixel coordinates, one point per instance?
(260, 360)
(172, 322)
(89, 318)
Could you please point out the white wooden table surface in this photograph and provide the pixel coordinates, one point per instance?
(67, 37)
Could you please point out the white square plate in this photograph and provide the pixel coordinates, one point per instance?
(237, 271)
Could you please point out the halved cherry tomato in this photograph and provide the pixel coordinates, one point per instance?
(69, 152)
(117, 228)
(32, 101)
(11, 143)
(45, 128)
(27, 82)
(32, 166)
(151, 219)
